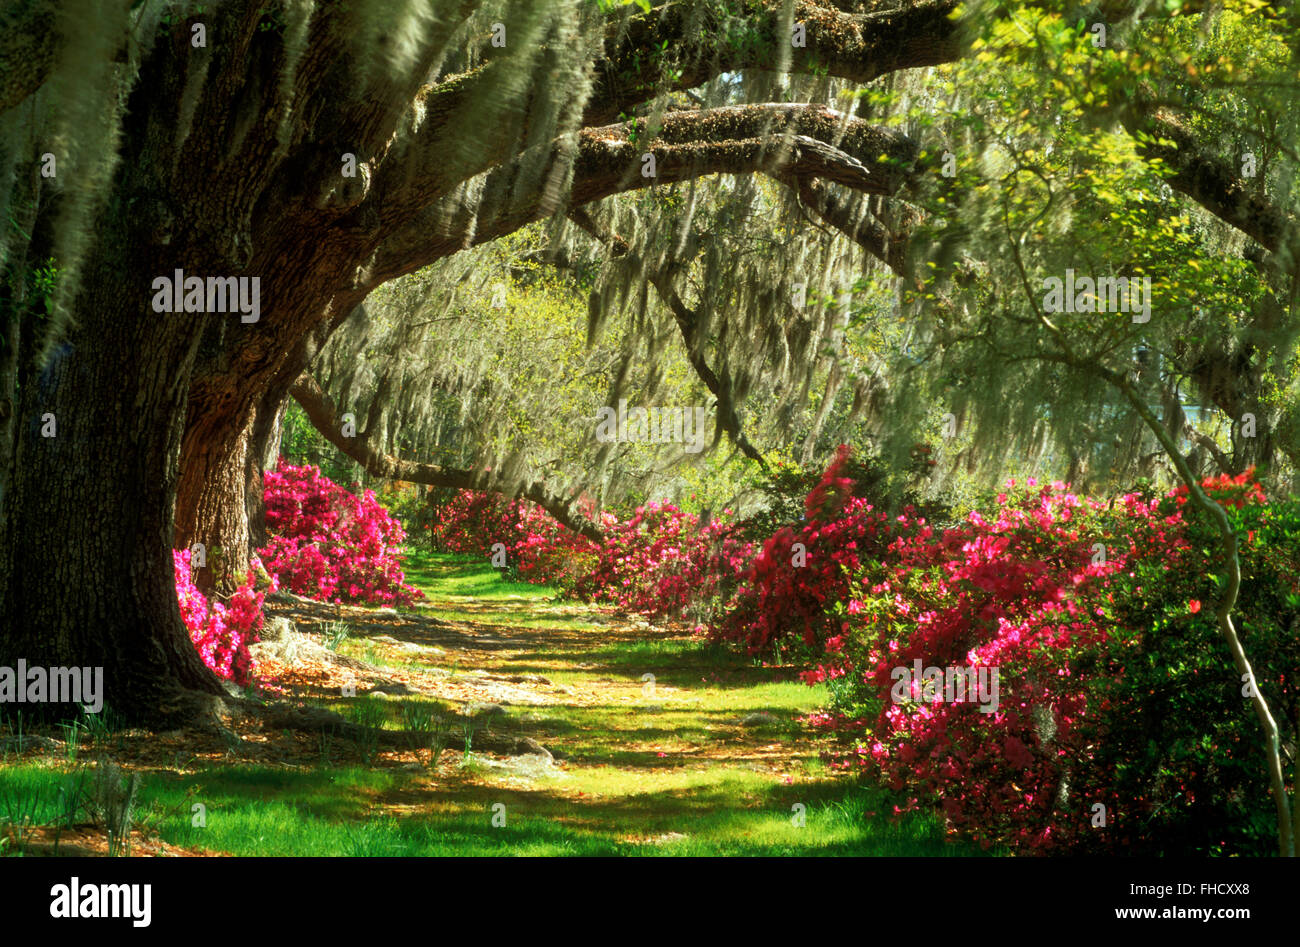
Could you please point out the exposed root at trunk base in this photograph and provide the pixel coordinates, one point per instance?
(196, 710)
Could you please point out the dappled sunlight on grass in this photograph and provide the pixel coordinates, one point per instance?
(666, 745)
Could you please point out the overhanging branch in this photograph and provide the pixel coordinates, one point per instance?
(857, 46)
(804, 141)
(1205, 175)
(323, 416)
(688, 324)
(859, 226)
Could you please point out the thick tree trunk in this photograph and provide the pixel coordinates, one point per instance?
(211, 504)
(263, 452)
(219, 500)
(220, 497)
(86, 573)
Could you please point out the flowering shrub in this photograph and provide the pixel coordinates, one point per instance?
(784, 487)
(538, 547)
(330, 544)
(1010, 593)
(546, 552)
(788, 592)
(221, 633)
(1116, 698)
(471, 521)
(661, 560)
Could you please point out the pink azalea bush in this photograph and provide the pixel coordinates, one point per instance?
(539, 548)
(658, 561)
(330, 544)
(470, 522)
(221, 633)
(788, 590)
(1090, 614)
(1020, 593)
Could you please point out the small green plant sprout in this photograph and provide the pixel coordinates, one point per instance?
(335, 633)
(417, 717)
(370, 715)
(71, 738)
(20, 808)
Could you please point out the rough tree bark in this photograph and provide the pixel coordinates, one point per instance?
(212, 499)
(263, 451)
(86, 547)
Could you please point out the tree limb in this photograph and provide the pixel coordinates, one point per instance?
(1220, 458)
(855, 46)
(1206, 176)
(819, 142)
(885, 245)
(320, 410)
(688, 323)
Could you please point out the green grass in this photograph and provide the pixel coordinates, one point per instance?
(252, 810)
(448, 577)
(469, 589)
(671, 772)
(31, 791)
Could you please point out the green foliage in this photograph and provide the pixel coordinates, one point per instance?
(611, 6)
(34, 299)
(301, 443)
(273, 20)
(1183, 736)
(335, 633)
(41, 283)
(370, 715)
(1045, 183)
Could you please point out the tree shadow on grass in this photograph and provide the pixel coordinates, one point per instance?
(823, 818)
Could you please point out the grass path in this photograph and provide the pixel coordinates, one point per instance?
(706, 757)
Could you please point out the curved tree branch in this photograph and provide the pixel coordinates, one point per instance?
(856, 46)
(859, 47)
(1220, 458)
(804, 141)
(1231, 580)
(866, 231)
(320, 410)
(1204, 174)
(688, 322)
